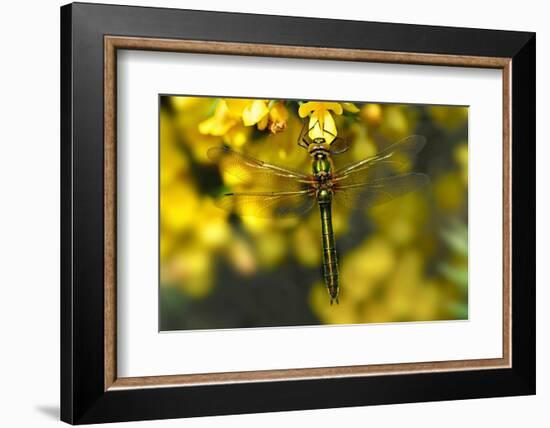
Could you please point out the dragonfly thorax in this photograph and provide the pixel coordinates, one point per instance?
(321, 162)
(322, 171)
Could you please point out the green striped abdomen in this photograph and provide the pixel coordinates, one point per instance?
(330, 259)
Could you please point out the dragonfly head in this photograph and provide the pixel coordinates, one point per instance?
(319, 148)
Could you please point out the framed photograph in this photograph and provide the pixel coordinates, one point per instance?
(265, 213)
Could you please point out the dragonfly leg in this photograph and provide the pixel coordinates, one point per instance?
(314, 125)
(303, 143)
(302, 140)
(328, 132)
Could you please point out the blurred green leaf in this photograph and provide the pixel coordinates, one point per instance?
(456, 237)
(459, 310)
(456, 275)
(212, 107)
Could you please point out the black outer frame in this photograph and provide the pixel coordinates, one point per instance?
(83, 399)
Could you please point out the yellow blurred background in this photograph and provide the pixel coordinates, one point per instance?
(399, 262)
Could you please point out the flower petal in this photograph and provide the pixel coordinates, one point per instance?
(254, 112)
(236, 105)
(322, 125)
(278, 112)
(306, 108)
(278, 117)
(262, 124)
(220, 123)
(352, 108)
(312, 106)
(237, 135)
(329, 127)
(315, 127)
(335, 107)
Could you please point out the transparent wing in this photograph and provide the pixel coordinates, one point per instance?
(256, 173)
(340, 145)
(268, 204)
(378, 191)
(391, 160)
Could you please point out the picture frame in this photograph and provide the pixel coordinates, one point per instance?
(91, 390)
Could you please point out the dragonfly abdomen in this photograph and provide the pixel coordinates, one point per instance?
(330, 258)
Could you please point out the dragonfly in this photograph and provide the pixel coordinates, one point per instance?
(273, 191)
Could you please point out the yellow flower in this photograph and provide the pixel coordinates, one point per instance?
(372, 114)
(186, 104)
(271, 248)
(306, 245)
(237, 136)
(173, 162)
(233, 118)
(278, 117)
(461, 156)
(449, 117)
(321, 122)
(352, 108)
(252, 112)
(449, 191)
(372, 261)
(212, 229)
(396, 122)
(191, 270)
(240, 254)
(402, 220)
(221, 122)
(346, 312)
(226, 122)
(178, 204)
